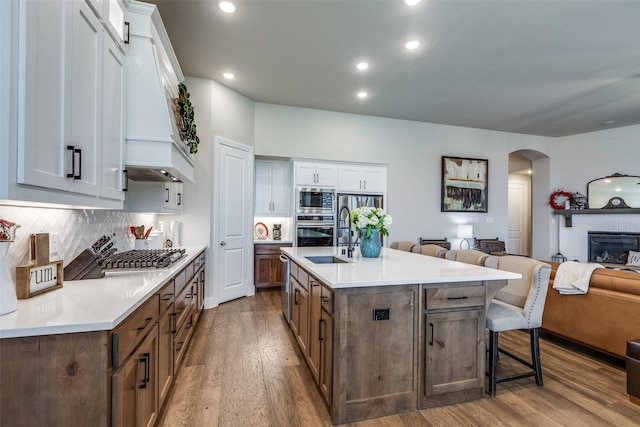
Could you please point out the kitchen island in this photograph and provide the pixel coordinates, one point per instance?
(100, 352)
(392, 334)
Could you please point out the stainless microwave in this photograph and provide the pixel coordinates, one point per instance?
(315, 200)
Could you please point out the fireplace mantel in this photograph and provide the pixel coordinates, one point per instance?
(568, 213)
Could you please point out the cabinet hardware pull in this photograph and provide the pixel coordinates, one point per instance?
(431, 339)
(125, 180)
(167, 297)
(179, 346)
(73, 161)
(145, 359)
(167, 199)
(360, 186)
(79, 152)
(454, 298)
(146, 323)
(365, 185)
(179, 199)
(295, 296)
(324, 299)
(174, 326)
(320, 337)
(126, 24)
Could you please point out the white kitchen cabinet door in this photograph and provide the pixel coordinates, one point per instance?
(155, 197)
(113, 87)
(272, 188)
(316, 174)
(114, 21)
(367, 179)
(41, 102)
(374, 179)
(281, 190)
(84, 84)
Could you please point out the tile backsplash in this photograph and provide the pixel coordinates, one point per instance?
(77, 229)
(574, 241)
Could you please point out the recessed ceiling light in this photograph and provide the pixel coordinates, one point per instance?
(229, 76)
(363, 94)
(608, 122)
(411, 2)
(413, 44)
(227, 6)
(362, 65)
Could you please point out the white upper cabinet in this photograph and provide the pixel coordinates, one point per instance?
(370, 179)
(155, 197)
(273, 188)
(113, 96)
(316, 174)
(70, 100)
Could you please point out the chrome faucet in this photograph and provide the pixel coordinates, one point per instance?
(350, 242)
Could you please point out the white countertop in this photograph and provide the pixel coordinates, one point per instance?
(91, 304)
(393, 267)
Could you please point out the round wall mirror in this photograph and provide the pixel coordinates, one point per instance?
(615, 191)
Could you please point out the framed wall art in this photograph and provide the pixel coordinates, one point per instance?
(464, 184)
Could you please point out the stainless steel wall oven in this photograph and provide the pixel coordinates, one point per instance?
(315, 230)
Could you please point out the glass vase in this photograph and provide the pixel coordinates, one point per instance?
(371, 246)
(8, 299)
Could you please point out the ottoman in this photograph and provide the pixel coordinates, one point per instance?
(633, 370)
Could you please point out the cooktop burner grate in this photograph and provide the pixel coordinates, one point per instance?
(142, 259)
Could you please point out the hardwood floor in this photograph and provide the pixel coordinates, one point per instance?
(244, 368)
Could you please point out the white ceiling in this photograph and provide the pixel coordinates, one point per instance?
(551, 68)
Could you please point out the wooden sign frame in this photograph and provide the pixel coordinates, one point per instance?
(32, 280)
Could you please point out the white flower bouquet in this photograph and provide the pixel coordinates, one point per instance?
(369, 218)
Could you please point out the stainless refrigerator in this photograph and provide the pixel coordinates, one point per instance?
(345, 204)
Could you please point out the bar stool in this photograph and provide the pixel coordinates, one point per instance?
(519, 305)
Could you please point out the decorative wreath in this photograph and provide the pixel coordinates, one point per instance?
(558, 194)
(185, 119)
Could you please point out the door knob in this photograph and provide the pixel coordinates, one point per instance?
(222, 243)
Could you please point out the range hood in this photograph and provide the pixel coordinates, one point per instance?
(154, 150)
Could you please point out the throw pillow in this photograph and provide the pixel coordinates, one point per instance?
(634, 259)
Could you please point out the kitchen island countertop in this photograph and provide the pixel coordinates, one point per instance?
(91, 304)
(393, 267)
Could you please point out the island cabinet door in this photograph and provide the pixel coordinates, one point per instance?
(375, 352)
(315, 310)
(300, 314)
(453, 357)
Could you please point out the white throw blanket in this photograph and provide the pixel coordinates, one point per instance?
(573, 277)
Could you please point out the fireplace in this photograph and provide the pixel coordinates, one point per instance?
(612, 248)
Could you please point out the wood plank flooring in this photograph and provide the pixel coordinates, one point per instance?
(244, 369)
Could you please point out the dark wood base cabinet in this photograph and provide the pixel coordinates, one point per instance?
(266, 266)
(104, 378)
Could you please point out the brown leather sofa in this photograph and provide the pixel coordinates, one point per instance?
(605, 318)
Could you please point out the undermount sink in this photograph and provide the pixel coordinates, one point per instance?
(326, 259)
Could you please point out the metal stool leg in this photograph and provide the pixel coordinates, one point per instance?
(493, 362)
(535, 354)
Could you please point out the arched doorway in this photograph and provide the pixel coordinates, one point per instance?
(529, 231)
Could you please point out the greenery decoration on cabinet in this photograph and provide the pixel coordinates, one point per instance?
(185, 118)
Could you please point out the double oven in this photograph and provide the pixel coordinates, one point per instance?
(315, 216)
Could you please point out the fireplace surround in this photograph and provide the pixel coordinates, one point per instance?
(612, 247)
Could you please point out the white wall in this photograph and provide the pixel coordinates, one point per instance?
(412, 151)
(218, 111)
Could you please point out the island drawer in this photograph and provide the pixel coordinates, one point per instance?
(294, 269)
(303, 278)
(454, 297)
(326, 300)
(129, 333)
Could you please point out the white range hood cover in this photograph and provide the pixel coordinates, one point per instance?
(153, 75)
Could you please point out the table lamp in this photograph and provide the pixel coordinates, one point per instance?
(465, 231)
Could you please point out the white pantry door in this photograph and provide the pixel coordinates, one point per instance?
(518, 210)
(234, 219)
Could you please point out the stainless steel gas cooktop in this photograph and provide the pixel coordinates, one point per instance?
(140, 259)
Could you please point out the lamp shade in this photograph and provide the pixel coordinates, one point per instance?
(465, 231)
